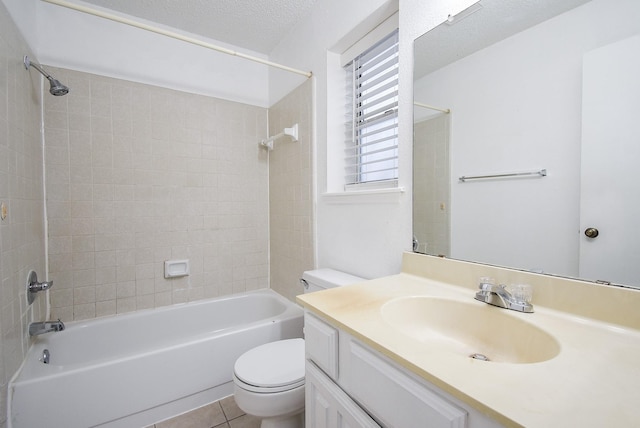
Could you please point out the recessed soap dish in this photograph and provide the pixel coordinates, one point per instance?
(176, 268)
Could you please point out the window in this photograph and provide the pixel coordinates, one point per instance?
(372, 128)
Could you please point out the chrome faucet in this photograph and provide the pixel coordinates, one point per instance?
(36, 328)
(497, 295)
(33, 286)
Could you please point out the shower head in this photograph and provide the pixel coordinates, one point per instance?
(57, 88)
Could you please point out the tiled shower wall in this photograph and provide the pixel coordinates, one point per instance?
(21, 191)
(290, 190)
(136, 175)
(431, 196)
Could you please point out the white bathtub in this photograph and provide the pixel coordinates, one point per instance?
(135, 369)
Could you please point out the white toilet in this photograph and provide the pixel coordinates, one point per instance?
(268, 381)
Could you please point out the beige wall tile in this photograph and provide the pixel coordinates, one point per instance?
(153, 174)
(105, 308)
(21, 190)
(290, 193)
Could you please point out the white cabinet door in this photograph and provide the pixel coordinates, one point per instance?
(321, 344)
(327, 406)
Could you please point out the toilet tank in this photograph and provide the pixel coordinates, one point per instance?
(321, 279)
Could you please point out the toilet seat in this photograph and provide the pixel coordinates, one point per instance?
(272, 367)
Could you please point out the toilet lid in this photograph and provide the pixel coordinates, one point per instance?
(278, 365)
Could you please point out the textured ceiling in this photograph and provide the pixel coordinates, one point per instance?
(495, 21)
(258, 25)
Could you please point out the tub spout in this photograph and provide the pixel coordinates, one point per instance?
(37, 328)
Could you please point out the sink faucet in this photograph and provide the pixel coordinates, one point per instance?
(36, 328)
(497, 295)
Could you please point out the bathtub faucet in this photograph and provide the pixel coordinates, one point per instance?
(34, 286)
(36, 328)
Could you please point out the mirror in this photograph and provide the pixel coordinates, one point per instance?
(514, 132)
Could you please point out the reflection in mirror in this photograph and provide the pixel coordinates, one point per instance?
(521, 79)
(431, 181)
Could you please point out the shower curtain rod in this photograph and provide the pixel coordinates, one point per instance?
(174, 35)
(416, 103)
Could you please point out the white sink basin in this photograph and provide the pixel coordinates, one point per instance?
(471, 329)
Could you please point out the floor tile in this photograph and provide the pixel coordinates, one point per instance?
(204, 417)
(246, 421)
(230, 408)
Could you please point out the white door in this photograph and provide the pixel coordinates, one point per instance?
(610, 192)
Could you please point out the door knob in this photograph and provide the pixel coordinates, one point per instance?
(591, 232)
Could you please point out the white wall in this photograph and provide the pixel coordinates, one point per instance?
(363, 235)
(23, 14)
(82, 42)
(340, 244)
(516, 106)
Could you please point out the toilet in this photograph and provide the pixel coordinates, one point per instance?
(268, 381)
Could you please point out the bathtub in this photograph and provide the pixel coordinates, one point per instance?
(135, 369)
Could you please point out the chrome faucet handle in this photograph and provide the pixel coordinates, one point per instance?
(492, 288)
(34, 286)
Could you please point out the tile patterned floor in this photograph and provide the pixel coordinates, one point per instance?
(221, 414)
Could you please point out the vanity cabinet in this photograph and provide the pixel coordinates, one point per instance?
(327, 406)
(351, 385)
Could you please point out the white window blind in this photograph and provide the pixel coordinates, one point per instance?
(372, 143)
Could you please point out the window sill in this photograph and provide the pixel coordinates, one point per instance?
(388, 195)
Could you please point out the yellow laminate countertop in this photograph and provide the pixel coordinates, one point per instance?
(594, 381)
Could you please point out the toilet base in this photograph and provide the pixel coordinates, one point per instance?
(291, 421)
(283, 409)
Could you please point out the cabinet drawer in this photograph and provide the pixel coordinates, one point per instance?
(321, 344)
(393, 397)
